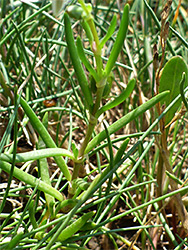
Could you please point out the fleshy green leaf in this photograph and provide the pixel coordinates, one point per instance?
(74, 150)
(110, 32)
(42, 131)
(43, 168)
(125, 120)
(77, 63)
(108, 86)
(31, 180)
(14, 241)
(118, 99)
(121, 151)
(75, 226)
(119, 40)
(170, 80)
(87, 29)
(36, 155)
(84, 59)
(81, 183)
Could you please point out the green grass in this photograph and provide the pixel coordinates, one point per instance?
(98, 161)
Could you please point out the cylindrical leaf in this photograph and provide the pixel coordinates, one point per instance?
(110, 32)
(75, 226)
(125, 120)
(77, 63)
(121, 151)
(39, 127)
(36, 155)
(31, 180)
(119, 40)
(118, 99)
(84, 60)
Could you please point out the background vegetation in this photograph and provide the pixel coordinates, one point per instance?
(93, 124)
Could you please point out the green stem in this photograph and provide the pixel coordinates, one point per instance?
(96, 48)
(89, 132)
(79, 167)
(89, 20)
(75, 173)
(94, 32)
(96, 45)
(93, 119)
(82, 3)
(98, 100)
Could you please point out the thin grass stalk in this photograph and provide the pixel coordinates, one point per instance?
(154, 201)
(125, 183)
(25, 210)
(159, 26)
(111, 163)
(7, 36)
(14, 154)
(102, 178)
